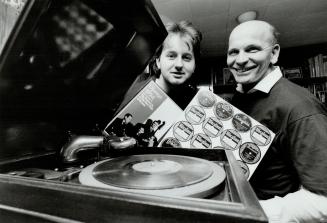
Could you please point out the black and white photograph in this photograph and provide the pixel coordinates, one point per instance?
(163, 111)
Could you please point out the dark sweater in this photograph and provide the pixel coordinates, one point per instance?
(298, 154)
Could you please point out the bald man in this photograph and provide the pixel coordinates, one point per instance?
(291, 180)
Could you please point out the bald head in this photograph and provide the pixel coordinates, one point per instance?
(262, 28)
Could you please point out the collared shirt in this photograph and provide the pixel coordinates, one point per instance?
(266, 83)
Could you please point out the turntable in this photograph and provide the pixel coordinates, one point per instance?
(157, 174)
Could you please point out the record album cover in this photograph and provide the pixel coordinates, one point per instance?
(147, 117)
(210, 122)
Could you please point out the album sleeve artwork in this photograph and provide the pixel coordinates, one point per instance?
(209, 122)
(147, 117)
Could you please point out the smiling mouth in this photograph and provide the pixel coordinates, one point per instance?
(243, 70)
(177, 73)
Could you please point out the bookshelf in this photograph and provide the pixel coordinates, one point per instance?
(307, 67)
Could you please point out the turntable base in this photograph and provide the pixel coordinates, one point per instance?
(156, 174)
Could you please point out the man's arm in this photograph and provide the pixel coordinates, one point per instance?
(307, 141)
(300, 206)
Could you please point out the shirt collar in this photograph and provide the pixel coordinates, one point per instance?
(266, 83)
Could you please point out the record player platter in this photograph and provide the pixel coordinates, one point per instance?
(157, 174)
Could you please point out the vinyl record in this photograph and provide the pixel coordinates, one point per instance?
(183, 131)
(156, 174)
(212, 127)
(260, 135)
(207, 99)
(244, 168)
(150, 172)
(223, 111)
(250, 152)
(230, 139)
(195, 114)
(201, 141)
(241, 122)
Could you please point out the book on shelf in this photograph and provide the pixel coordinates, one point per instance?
(319, 90)
(295, 72)
(322, 96)
(318, 65)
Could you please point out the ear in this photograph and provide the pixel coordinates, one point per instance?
(158, 62)
(275, 54)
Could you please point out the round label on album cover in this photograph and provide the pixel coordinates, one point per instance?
(230, 139)
(241, 122)
(223, 111)
(183, 131)
(260, 135)
(195, 114)
(171, 142)
(244, 168)
(212, 127)
(207, 99)
(201, 141)
(250, 152)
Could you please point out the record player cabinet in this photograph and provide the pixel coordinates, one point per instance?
(43, 97)
(28, 199)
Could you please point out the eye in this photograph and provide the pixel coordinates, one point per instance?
(232, 52)
(187, 57)
(253, 50)
(171, 55)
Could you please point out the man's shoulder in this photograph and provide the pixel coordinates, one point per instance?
(297, 99)
(288, 89)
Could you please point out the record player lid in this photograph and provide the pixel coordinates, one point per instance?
(73, 61)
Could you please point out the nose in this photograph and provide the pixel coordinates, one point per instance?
(241, 58)
(179, 63)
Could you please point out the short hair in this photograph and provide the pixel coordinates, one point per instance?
(185, 29)
(275, 34)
